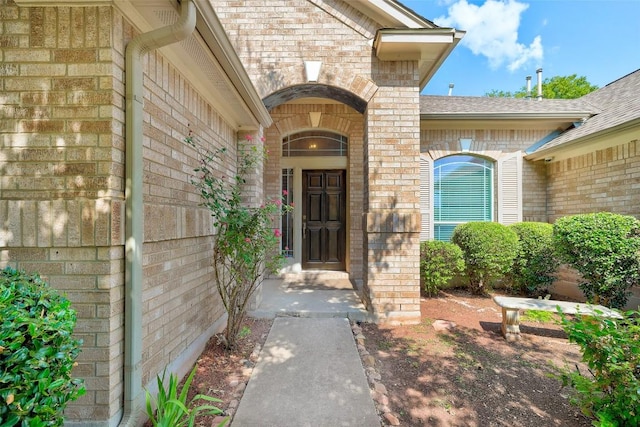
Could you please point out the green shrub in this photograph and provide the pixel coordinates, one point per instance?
(37, 352)
(605, 249)
(536, 261)
(439, 263)
(610, 392)
(489, 249)
(172, 408)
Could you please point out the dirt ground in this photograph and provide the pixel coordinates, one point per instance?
(464, 376)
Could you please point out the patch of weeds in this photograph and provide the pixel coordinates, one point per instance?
(466, 360)
(423, 326)
(447, 339)
(385, 345)
(244, 332)
(538, 316)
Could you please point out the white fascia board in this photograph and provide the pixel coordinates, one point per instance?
(397, 13)
(417, 38)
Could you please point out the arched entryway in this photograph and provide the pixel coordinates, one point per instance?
(316, 148)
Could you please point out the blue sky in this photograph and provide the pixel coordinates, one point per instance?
(507, 40)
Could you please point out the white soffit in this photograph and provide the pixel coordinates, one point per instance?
(193, 59)
(392, 46)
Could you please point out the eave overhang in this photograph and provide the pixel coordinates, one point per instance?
(562, 116)
(606, 138)
(429, 46)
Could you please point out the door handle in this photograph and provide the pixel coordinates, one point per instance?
(304, 230)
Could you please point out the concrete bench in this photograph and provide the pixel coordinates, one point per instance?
(511, 307)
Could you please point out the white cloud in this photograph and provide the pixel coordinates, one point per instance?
(492, 31)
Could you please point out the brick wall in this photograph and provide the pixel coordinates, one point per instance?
(274, 38)
(603, 180)
(62, 189)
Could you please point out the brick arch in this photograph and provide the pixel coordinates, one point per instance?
(453, 148)
(333, 83)
(335, 122)
(291, 93)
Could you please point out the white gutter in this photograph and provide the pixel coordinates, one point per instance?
(134, 224)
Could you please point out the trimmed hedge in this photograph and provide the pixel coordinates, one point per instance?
(37, 352)
(439, 263)
(489, 249)
(536, 261)
(605, 248)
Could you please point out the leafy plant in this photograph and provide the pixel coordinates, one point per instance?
(37, 352)
(537, 316)
(172, 408)
(439, 263)
(605, 248)
(489, 249)
(610, 391)
(536, 262)
(246, 243)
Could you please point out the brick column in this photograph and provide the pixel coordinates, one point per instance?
(253, 190)
(392, 202)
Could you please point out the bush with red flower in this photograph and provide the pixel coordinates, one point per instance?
(246, 238)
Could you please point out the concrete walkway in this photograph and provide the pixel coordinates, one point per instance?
(309, 373)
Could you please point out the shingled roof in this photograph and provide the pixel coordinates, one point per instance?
(606, 109)
(469, 107)
(618, 103)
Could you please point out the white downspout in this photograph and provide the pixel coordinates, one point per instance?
(136, 48)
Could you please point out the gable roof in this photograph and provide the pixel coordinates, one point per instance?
(618, 106)
(404, 35)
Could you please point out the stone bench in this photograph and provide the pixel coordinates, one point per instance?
(511, 307)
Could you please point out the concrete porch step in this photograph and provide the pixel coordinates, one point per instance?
(312, 298)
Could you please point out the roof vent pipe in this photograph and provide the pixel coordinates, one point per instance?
(539, 73)
(528, 87)
(450, 88)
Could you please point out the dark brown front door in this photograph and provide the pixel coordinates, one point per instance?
(323, 219)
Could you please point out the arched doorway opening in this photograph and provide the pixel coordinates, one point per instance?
(314, 171)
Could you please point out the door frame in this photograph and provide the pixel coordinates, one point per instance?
(298, 164)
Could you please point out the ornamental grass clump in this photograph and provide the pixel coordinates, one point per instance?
(170, 408)
(489, 249)
(246, 239)
(37, 352)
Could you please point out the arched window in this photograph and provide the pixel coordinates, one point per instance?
(314, 143)
(463, 192)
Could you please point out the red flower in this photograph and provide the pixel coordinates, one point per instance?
(285, 192)
(277, 233)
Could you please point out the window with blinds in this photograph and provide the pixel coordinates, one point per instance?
(463, 192)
